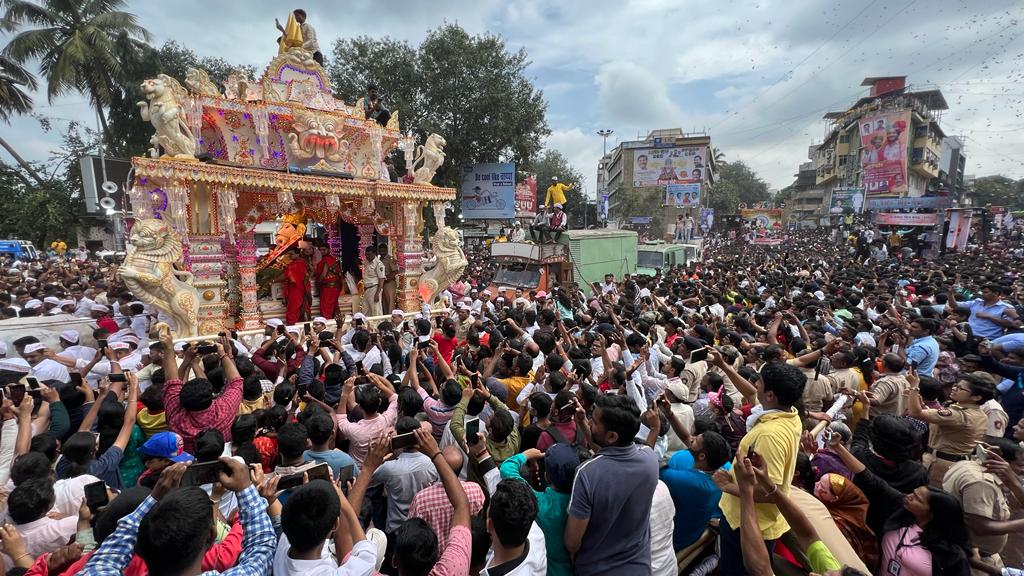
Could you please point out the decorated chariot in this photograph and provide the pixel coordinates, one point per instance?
(281, 148)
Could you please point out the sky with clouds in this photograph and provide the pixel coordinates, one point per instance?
(757, 75)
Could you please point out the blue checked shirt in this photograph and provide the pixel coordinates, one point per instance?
(258, 542)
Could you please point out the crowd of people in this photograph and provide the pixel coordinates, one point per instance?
(788, 409)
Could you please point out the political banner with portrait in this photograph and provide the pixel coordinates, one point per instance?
(526, 197)
(847, 201)
(682, 195)
(764, 225)
(883, 159)
(489, 191)
(662, 166)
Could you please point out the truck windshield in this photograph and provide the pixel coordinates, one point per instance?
(518, 276)
(649, 259)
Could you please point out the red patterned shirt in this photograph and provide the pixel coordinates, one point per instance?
(219, 415)
(432, 505)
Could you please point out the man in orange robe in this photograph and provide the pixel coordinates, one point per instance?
(329, 278)
(298, 295)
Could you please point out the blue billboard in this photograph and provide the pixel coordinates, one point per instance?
(489, 191)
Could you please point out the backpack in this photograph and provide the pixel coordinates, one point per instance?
(582, 452)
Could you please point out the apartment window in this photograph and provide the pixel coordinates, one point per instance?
(844, 138)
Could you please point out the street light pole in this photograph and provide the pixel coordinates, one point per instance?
(604, 134)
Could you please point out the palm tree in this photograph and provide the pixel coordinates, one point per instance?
(718, 155)
(74, 43)
(14, 81)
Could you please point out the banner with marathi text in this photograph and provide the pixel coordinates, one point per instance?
(765, 224)
(883, 159)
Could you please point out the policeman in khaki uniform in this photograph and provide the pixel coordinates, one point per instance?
(955, 430)
(981, 495)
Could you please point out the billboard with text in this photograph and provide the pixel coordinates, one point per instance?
(488, 191)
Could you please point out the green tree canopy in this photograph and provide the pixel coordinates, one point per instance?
(736, 183)
(999, 191)
(472, 90)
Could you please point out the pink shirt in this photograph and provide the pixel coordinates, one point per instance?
(361, 433)
(455, 560)
(904, 546)
(45, 535)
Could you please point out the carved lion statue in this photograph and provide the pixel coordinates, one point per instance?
(448, 264)
(198, 81)
(429, 157)
(149, 272)
(163, 109)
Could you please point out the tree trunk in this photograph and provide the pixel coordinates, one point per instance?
(103, 123)
(21, 161)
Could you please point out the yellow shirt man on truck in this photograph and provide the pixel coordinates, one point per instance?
(556, 192)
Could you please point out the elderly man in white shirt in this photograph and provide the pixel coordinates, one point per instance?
(43, 368)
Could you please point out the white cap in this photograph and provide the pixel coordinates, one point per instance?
(119, 346)
(34, 347)
(71, 336)
(275, 322)
(179, 346)
(15, 365)
(486, 292)
(320, 319)
(474, 312)
(52, 300)
(359, 316)
(130, 338)
(3, 348)
(819, 295)
(554, 178)
(33, 304)
(64, 303)
(99, 308)
(397, 312)
(557, 205)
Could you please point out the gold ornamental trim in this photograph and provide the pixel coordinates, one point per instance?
(168, 170)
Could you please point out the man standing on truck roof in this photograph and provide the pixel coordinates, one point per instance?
(556, 192)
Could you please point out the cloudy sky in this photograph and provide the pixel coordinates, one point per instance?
(756, 75)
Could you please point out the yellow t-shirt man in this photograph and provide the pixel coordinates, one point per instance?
(776, 437)
(556, 194)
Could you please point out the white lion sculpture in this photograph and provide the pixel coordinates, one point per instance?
(449, 260)
(149, 272)
(163, 109)
(198, 81)
(429, 156)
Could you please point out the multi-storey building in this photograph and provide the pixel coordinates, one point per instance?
(637, 164)
(889, 142)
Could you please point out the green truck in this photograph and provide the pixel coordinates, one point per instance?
(594, 253)
(658, 254)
